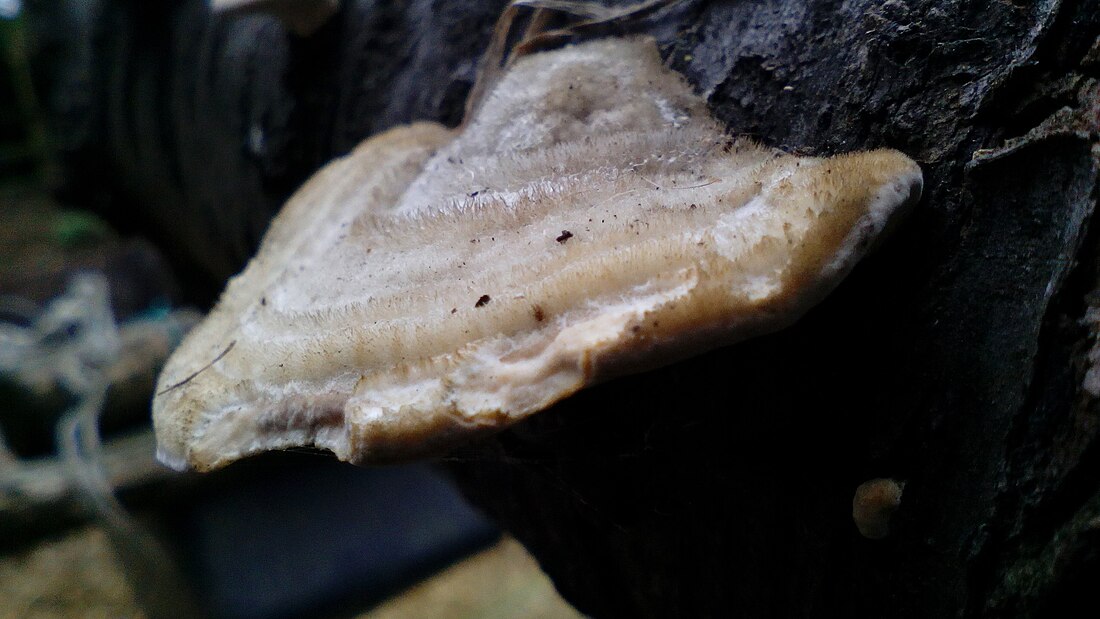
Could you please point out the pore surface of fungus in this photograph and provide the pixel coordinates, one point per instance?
(590, 218)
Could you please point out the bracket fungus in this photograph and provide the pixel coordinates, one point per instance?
(420, 291)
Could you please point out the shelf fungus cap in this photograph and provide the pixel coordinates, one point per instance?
(590, 219)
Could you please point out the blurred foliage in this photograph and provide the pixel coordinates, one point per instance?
(23, 148)
(72, 228)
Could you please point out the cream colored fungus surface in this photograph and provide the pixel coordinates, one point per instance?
(589, 219)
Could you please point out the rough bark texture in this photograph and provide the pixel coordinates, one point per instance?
(194, 128)
(959, 359)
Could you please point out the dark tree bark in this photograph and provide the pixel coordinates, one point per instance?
(961, 358)
(194, 129)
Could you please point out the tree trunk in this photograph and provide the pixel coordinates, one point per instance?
(961, 359)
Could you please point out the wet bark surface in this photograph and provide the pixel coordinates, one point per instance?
(959, 358)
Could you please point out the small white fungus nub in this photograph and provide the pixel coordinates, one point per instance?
(590, 219)
(874, 503)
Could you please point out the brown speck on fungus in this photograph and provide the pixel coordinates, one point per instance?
(564, 236)
(875, 501)
(364, 334)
